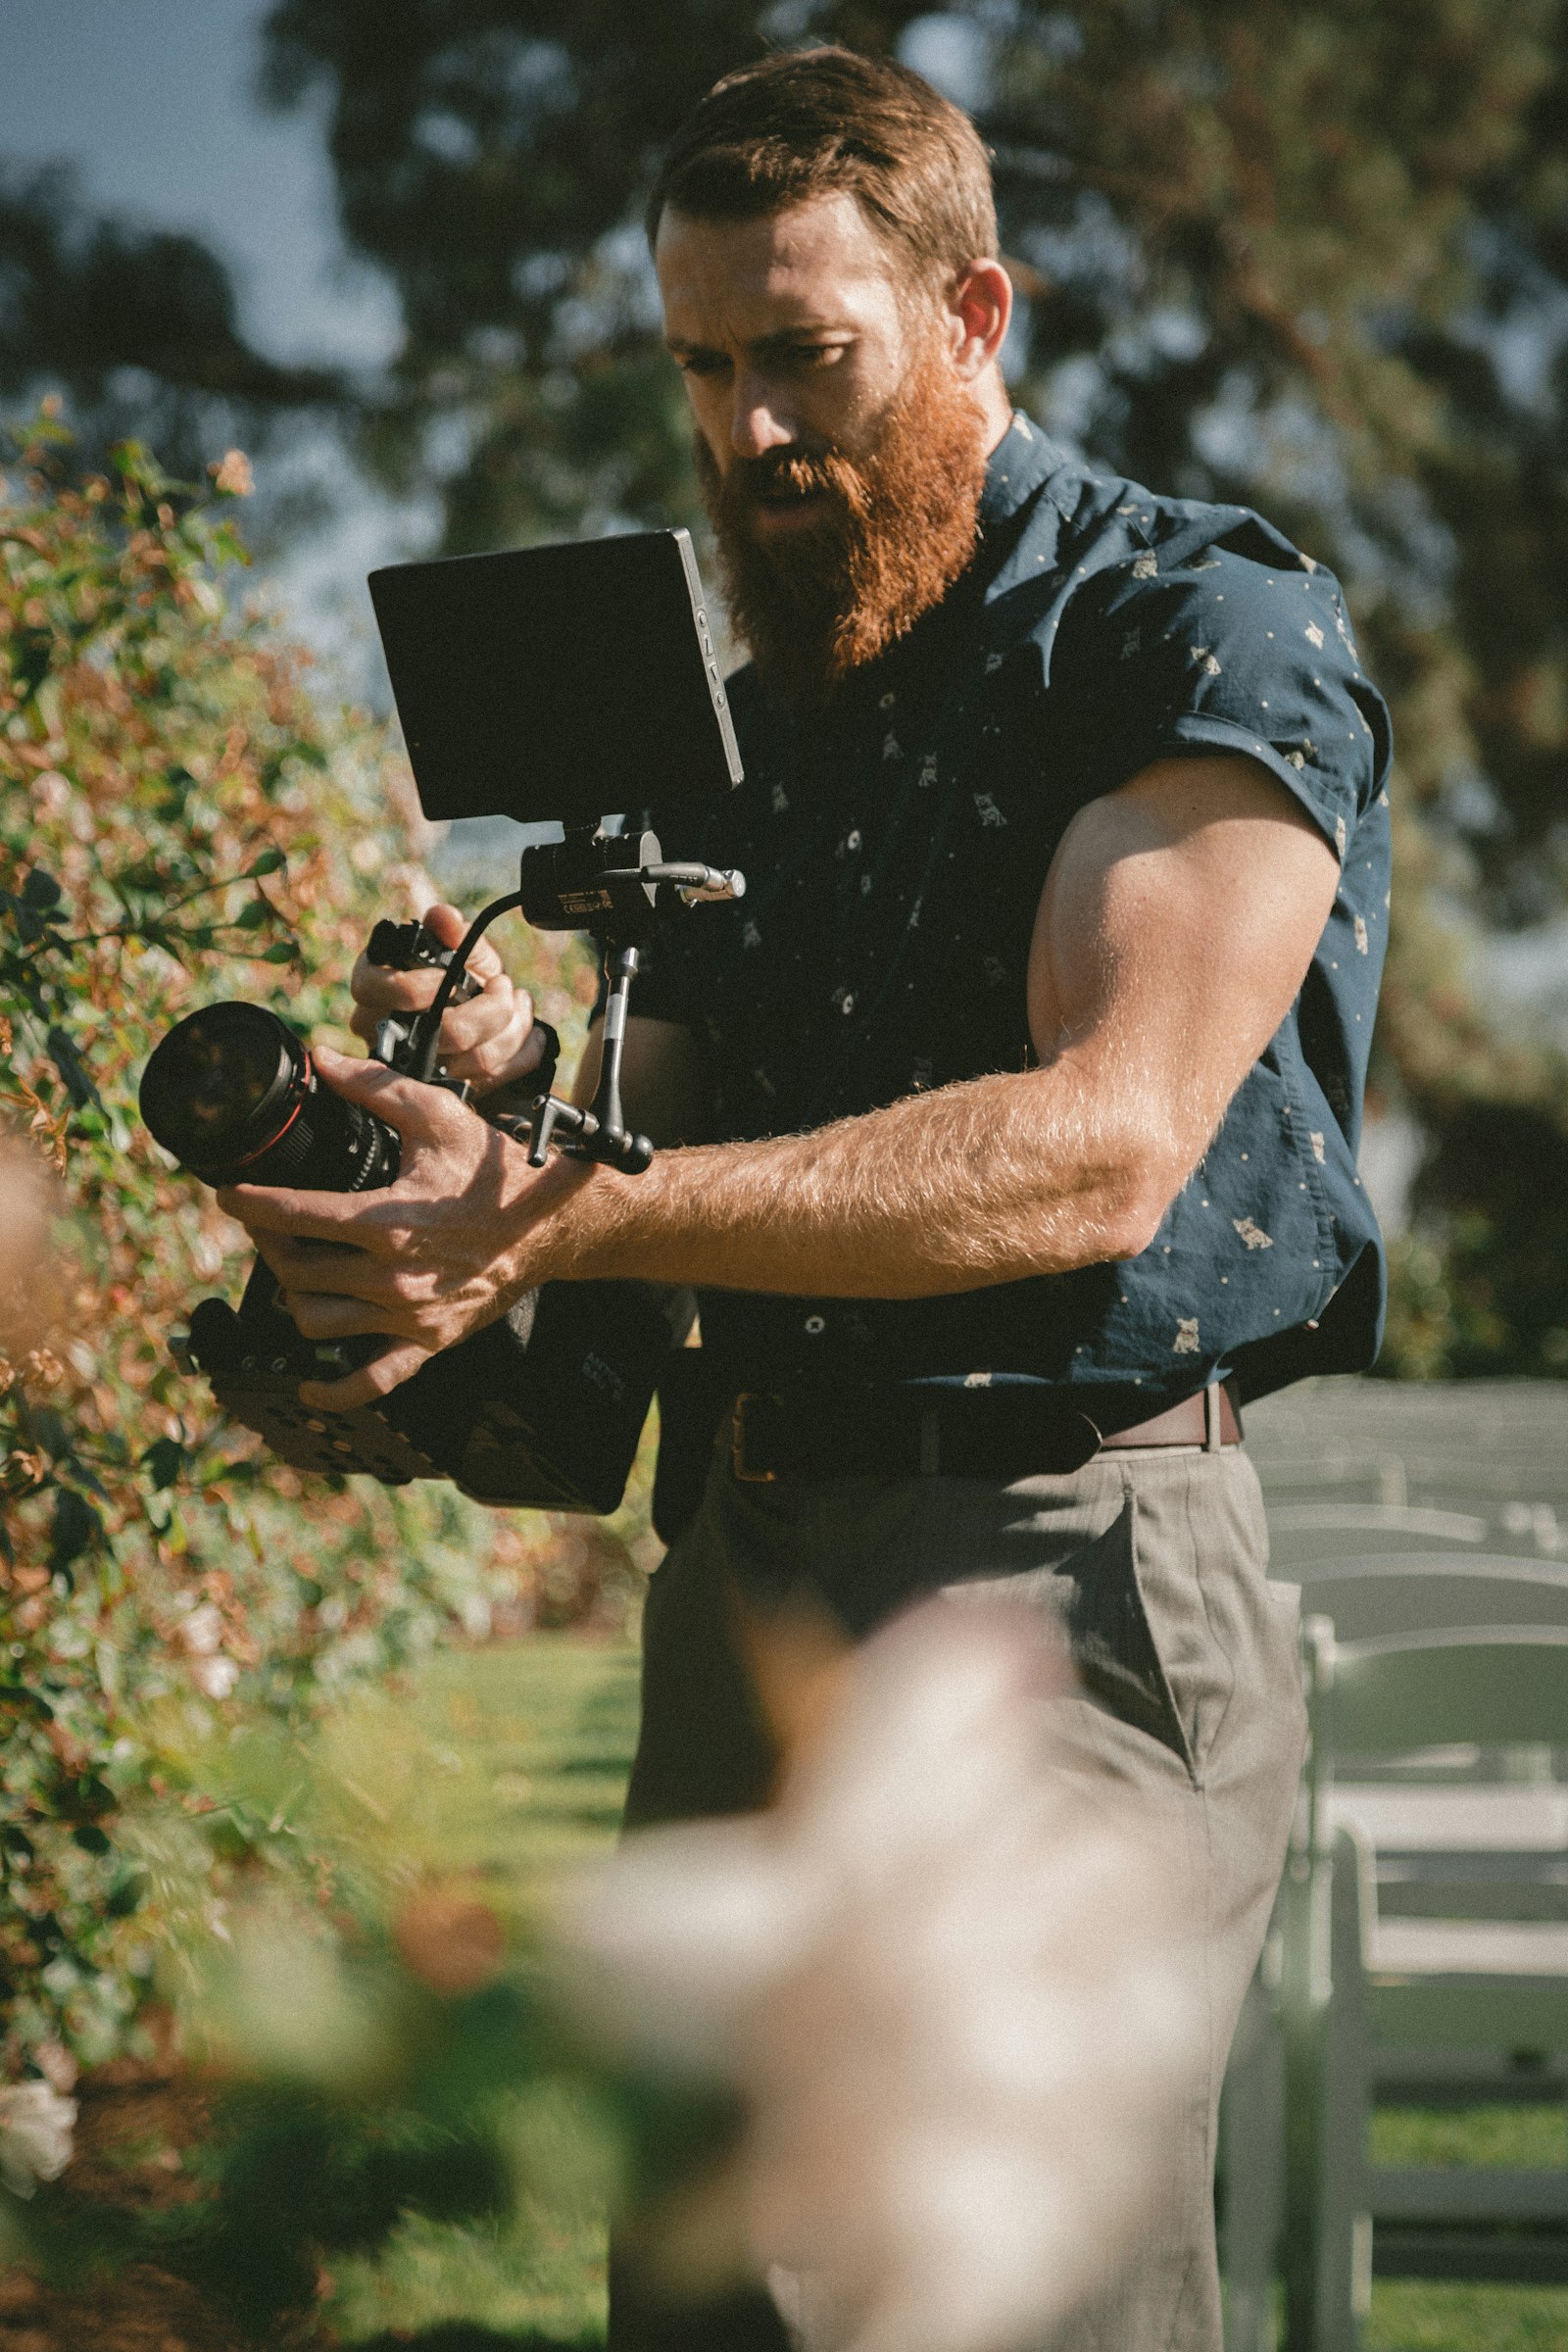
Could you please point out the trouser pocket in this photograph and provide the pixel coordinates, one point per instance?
(1112, 1641)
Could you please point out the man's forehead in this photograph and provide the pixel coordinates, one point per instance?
(816, 262)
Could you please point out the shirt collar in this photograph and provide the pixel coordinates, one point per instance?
(1021, 460)
(1013, 515)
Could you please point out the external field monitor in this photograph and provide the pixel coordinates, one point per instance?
(567, 682)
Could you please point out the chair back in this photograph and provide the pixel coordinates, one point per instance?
(1301, 1532)
(1426, 1593)
(1487, 1686)
(1370, 1465)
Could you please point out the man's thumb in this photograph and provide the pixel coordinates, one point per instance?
(445, 922)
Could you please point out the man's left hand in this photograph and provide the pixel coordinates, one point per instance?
(465, 1230)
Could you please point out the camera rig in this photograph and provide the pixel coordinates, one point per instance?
(540, 684)
(615, 887)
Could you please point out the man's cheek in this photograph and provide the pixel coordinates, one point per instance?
(712, 439)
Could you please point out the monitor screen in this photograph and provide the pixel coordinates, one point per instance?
(570, 682)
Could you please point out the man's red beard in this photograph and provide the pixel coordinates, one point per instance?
(819, 598)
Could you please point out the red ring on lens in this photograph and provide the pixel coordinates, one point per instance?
(310, 1073)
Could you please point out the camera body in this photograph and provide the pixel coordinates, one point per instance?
(542, 1408)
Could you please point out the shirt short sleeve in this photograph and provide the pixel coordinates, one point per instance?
(1236, 644)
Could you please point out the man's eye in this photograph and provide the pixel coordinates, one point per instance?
(815, 355)
(701, 363)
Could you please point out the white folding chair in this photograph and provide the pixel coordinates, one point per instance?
(1356, 1987)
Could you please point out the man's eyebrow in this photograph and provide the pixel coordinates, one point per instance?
(782, 339)
(822, 329)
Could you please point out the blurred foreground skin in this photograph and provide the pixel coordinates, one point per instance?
(37, 2121)
(944, 1977)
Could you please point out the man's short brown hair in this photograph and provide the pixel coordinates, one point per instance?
(821, 122)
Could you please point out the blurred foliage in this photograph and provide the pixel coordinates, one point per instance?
(179, 820)
(381, 2059)
(140, 325)
(1312, 257)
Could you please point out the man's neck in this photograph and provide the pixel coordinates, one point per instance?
(996, 407)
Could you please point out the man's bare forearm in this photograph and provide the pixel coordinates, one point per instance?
(979, 1183)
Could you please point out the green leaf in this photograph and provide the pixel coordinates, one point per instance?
(269, 863)
(128, 1890)
(163, 1461)
(77, 1524)
(74, 1071)
(282, 950)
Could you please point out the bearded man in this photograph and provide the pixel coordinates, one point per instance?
(1016, 1109)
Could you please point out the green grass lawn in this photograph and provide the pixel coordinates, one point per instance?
(536, 2278)
(1411, 2315)
(547, 1728)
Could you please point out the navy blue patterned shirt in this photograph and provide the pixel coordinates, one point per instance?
(895, 848)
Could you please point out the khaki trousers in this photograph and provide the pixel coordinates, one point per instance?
(1150, 1562)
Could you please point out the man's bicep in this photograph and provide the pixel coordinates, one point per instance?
(1176, 927)
(664, 1084)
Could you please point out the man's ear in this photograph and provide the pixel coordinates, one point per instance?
(980, 308)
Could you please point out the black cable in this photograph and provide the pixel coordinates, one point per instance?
(425, 1039)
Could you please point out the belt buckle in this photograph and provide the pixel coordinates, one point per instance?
(737, 1440)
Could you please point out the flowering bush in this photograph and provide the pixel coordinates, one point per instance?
(179, 820)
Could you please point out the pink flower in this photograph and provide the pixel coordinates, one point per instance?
(232, 475)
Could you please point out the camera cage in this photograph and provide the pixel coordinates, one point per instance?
(584, 883)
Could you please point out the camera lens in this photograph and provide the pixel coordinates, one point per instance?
(232, 1093)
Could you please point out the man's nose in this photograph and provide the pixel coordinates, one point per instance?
(759, 420)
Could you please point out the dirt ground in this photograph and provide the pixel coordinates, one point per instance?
(136, 2129)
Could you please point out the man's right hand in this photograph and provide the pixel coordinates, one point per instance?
(490, 1041)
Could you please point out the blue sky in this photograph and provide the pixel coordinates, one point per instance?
(150, 102)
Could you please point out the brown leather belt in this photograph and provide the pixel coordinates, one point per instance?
(1193, 1422)
(1005, 1431)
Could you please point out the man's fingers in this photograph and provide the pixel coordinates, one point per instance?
(420, 1113)
(349, 1219)
(305, 1265)
(333, 1315)
(370, 1382)
(493, 1042)
(496, 1007)
(449, 924)
(378, 991)
(515, 1054)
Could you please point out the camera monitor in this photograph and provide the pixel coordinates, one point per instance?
(568, 682)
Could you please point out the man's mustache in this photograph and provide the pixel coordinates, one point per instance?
(781, 475)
